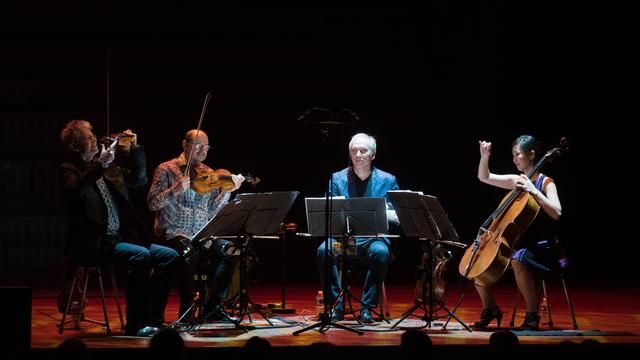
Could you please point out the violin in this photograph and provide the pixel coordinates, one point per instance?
(204, 181)
(126, 139)
(121, 141)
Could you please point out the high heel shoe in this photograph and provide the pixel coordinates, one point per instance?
(486, 316)
(531, 321)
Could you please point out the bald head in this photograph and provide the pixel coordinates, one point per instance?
(191, 134)
(199, 141)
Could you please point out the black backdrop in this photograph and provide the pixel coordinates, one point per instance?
(428, 82)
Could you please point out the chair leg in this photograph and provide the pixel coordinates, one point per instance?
(104, 308)
(86, 272)
(548, 302)
(82, 277)
(569, 302)
(516, 298)
(384, 304)
(68, 306)
(104, 302)
(117, 296)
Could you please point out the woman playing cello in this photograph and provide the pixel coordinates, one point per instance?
(525, 150)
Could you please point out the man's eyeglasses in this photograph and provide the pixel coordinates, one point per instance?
(199, 147)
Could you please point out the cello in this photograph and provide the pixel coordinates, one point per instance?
(490, 253)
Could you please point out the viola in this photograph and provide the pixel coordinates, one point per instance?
(424, 283)
(204, 181)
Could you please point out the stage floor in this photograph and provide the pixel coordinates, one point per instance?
(610, 315)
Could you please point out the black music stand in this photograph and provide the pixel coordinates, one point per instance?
(423, 217)
(246, 217)
(347, 218)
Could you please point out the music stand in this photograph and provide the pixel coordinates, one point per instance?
(346, 219)
(246, 217)
(422, 216)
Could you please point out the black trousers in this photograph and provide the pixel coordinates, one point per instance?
(212, 262)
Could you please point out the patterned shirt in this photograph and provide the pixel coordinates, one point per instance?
(113, 221)
(183, 214)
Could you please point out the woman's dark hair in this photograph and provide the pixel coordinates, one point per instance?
(527, 144)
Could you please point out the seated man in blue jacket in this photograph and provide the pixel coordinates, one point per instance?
(361, 179)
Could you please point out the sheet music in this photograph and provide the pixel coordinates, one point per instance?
(361, 215)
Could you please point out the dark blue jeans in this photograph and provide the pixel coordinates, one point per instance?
(149, 271)
(376, 256)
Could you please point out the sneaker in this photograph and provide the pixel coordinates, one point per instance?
(148, 331)
(337, 314)
(365, 316)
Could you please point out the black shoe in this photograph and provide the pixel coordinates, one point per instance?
(337, 314)
(365, 316)
(132, 330)
(148, 331)
(531, 321)
(487, 316)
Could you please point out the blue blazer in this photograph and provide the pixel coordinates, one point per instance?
(379, 184)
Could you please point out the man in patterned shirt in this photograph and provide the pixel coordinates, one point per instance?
(181, 213)
(103, 225)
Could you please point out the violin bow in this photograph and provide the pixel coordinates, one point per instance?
(204, 110)
(113, 140)
(108, 93)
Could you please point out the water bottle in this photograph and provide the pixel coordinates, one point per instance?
(319, 303)
(543, 311)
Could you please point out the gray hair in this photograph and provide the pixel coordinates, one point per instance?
(369, 140)
(71, 133)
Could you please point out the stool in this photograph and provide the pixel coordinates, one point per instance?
(543, 286)
(384, 304)
(83, 273)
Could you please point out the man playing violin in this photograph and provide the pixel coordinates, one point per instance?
(103, 225)
(181, 212)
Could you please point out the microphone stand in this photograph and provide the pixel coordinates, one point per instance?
(282, 309)
(325, 318)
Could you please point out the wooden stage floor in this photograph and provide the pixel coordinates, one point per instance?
(609, 315)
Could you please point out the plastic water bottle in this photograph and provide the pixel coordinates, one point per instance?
(543, 311)
(319, 303)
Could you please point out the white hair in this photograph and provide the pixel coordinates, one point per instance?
(369, 140)
(71, 133)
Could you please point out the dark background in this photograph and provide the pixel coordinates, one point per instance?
(428, 82)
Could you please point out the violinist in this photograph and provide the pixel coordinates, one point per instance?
(103, 225)
(528, 255)
(182, 209)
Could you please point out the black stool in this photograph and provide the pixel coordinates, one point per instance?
(82, 273)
